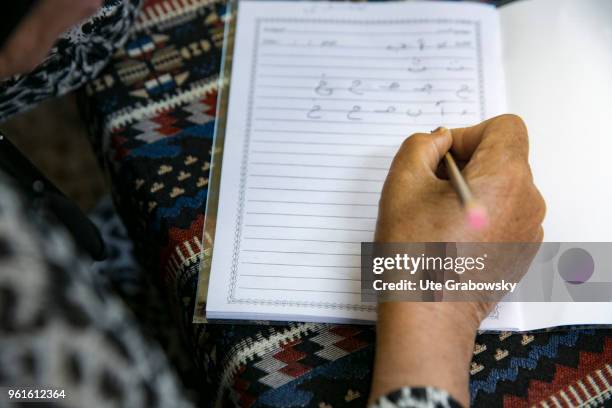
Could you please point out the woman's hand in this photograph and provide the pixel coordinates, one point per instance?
(431, 343)
(37, 32)
(418, 206)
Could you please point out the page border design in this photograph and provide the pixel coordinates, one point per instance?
(231, 298)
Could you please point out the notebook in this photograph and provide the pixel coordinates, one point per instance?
(322, 94)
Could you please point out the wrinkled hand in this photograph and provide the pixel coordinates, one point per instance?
(37, 32)
(418, 206)
(421, 343)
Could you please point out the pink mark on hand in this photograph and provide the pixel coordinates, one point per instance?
(477, 216)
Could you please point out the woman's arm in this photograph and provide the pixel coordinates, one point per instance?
(430, 344)
(423, 344)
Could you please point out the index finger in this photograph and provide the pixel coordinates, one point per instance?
(504, 134)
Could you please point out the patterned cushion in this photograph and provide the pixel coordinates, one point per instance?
(152, 112)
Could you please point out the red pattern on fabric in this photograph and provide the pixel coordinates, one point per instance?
(177, 236)
(240, 385)
(295, 369)
(345, 331)
(211, 101)
(351, 344)
(289, 355)
(564, 377)
(166, 121)
(117, 142)
(247, 400)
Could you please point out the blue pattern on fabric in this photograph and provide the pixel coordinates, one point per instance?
(181, 203)
(549, 350)
(355, 366)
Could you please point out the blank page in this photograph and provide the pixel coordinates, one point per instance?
(321, 97)
(558, 61)
(558, 65)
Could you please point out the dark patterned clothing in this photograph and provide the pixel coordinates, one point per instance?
(77, 57)
(62, 324)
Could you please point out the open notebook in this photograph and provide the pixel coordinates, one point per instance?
(321, 96)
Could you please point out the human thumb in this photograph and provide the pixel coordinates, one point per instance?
(420, 154)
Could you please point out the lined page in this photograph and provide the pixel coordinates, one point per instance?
(321, 97)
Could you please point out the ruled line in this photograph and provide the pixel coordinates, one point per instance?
(352, 78)
(354, 122)
(386, 101)
(386, 48)
(357, 217)
(363, 90)
(299, 290)
(313, 190)
(300, 277)
(385, 112)
(315, 228)
(364, 32)
(301, 265)
(313, 202)
(322, 154)
(320, 165)
(301, 252)
(317, 178)
(362, 57)
(322, 132)
(304, 240)
(408, 69)
(281, 142)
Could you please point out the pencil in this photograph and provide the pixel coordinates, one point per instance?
(476, 214)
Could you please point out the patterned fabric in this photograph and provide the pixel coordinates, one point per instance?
(152, 116)
(61, 326)
(417, 398)
(134, 287)
(77, 57)
(152, 111)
